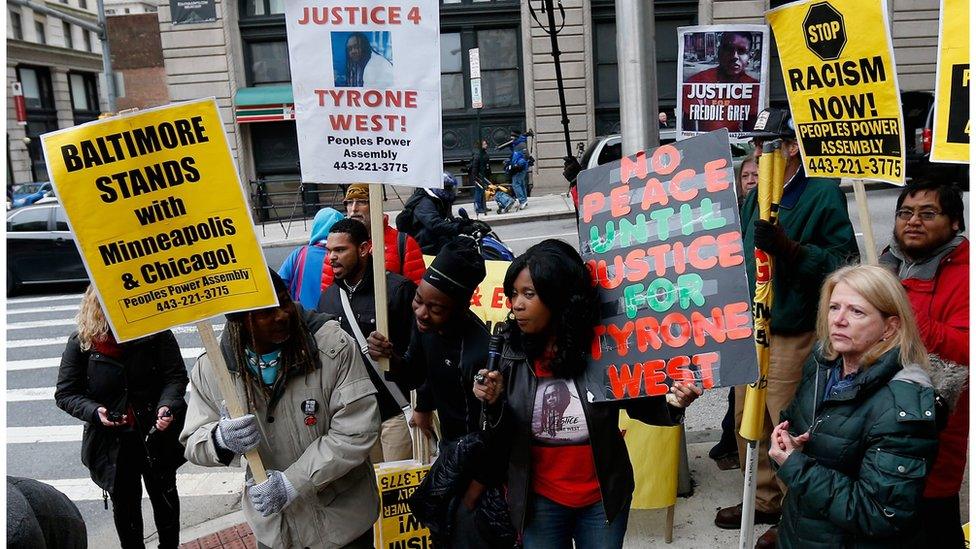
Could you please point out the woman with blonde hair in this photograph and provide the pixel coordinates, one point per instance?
(859, 437)
(131, 397)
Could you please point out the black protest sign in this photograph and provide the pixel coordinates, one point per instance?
(660, 233)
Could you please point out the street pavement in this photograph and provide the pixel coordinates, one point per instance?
(44, 443)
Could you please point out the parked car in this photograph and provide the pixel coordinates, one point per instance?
(918, 108)
(29, 193)
(40, 248)
(606, 149)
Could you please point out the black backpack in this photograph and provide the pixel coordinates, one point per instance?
(404, 220)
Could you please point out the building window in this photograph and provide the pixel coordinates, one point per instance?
(268, 62)
(39, 32)
(68, 40)
(88, 41)
(16, 25)
(109, 12)
(494, 28)
(452, 73)
(83, 4)
(668, 16)
(254, 8)
(262, 26)
(126, 10)
(41, 114)
(84, 96)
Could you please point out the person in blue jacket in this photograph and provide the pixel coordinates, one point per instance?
(518, 168)
(302, 269)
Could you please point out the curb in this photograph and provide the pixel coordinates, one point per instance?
(495, 220)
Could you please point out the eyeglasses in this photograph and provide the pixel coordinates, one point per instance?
(906, 214)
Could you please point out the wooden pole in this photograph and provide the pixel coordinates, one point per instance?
(865, 216)
(376, 227)
(669, 525)
(229, 391)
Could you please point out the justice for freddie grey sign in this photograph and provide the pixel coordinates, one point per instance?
(366, 82)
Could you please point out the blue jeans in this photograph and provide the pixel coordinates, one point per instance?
(503, 199)
(518, 185)
(479, 195)
(550, 525)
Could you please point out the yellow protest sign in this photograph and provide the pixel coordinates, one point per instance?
(950, 135)
(488, 301)
(159, 216)
(840, 79)
(397, 528)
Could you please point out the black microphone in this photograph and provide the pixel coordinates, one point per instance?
(494, 351)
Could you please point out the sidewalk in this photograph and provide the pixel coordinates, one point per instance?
(541, 208)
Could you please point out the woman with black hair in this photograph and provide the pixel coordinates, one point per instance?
(569, 477)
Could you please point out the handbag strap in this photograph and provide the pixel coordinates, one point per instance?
(401, 400)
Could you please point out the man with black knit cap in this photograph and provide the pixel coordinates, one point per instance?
(449, 343)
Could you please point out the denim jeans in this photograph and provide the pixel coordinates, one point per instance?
(502, 199)
(550, 525)
(518, 185)
(479, 195)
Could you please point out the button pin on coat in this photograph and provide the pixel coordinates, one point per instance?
(309, 407)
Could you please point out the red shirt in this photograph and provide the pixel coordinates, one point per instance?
(562, 460)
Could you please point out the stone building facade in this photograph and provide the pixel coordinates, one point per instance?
(242, 59)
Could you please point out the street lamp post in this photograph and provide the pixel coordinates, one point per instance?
(550, 29)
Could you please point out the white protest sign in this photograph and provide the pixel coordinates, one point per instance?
(366, 82)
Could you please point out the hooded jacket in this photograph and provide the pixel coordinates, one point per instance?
(302, 269)
(410, 264)
(939, 295)
(433, 222)
(858, 481)
(327, 462)
(149, 374)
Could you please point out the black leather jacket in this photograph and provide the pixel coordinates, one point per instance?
(510, 427)
(149, 374)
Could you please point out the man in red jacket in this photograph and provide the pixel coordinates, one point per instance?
(931, 258)
(403, 255)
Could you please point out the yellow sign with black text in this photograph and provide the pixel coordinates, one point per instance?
(397, 528)
(158, 213)
(840, 79)
(951, 128)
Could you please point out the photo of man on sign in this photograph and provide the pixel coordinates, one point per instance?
(721, 78)
(362, 61)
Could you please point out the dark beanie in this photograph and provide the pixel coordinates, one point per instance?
(277, 283)
(457, 270)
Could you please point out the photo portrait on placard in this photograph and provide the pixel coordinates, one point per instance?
(362, 59)
(722, 77)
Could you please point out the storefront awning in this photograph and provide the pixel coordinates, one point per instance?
(264, 104)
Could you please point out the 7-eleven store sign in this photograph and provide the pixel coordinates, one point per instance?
(264, 113)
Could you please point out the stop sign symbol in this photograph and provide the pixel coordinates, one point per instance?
(823, 29)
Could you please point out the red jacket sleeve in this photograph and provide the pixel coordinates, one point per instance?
(327, 276)
(413, 261)
(948, 335)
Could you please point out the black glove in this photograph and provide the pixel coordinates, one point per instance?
(571, 169)
(772, 239)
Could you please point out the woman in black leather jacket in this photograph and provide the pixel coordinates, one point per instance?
(569, 475)
(122, 391)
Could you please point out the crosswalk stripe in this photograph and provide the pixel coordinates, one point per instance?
(39, 299)
(40, 324)
(22, 343)
(48, 309)
(43, 433)
(54, 362)
(31, 394)
(221, 483)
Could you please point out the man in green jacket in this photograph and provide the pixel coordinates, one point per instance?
(813, 238)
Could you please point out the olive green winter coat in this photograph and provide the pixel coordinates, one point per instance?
(859, 479)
